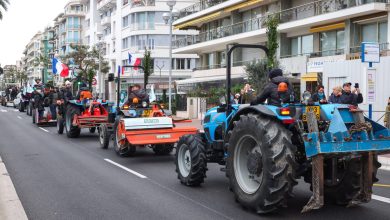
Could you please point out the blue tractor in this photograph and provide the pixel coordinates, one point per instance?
(264, 150)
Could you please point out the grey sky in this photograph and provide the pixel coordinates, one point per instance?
(23, 19)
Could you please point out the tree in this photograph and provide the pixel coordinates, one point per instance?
(87, 61)
(272, 24)
(147, 63)
(4, 4)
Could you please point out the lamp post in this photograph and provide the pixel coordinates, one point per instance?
(160, 67)
(43, 71)
(169, 17)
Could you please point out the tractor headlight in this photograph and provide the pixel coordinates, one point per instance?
(144, 104)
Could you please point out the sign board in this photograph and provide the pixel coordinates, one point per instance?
(316, 65)
(370, 52)
(94, 81)
(371, 85)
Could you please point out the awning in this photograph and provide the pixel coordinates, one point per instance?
(309, 77)
(242, 5)
(198, 20)
(327, 27)
(205, 79)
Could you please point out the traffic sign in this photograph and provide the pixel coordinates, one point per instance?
(370, 52)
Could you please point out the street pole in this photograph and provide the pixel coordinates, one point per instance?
(170, 58)
(100, 77)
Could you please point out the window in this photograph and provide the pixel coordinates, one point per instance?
(374, 32)
(151, 44)
(188, 64)
(125, 21)
(301, 45)
(125, 43)
(125, 2)
(180, 64)
(76, 23)
(332, 42)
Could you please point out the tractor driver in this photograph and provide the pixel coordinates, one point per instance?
(66, 93)
(136, 93)
(272, 91)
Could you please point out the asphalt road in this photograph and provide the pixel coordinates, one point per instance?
(60, 178)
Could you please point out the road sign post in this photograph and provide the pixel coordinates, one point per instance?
(370, 55)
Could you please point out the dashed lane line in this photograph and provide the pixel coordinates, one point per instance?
(3, 110)
(44, 130)
(15, 110)
(381, 198)
(125, 168)
(19, 117)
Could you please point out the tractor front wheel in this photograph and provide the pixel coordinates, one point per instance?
(104, 136)
(71, 131)
(121, 146)
(190, 160)
(260, 163)
(163, 149)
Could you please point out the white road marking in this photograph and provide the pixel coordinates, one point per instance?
(381, 198)
(127, 169)
(44, 130)
(20, 117)
(15, 110)
(2, 110)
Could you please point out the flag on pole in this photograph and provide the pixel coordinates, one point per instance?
(119, 69)
(60, 68)
(134, 62)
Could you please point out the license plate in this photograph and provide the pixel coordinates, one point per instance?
(163, 136)
(146, 113)
(315, 109)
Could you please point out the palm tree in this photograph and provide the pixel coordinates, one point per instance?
(3, 4)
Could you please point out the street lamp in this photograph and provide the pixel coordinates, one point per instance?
(169, 17)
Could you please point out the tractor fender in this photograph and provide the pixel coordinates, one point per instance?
(257, 109)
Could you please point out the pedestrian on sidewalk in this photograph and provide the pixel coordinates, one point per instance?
(387, 115)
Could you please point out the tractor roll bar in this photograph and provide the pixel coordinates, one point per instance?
(229, 69)
(118, 99)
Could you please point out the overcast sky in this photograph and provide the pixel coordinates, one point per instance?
(23, 19)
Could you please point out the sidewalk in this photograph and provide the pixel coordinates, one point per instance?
(10, 206)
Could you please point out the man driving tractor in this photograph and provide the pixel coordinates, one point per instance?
(136, 96)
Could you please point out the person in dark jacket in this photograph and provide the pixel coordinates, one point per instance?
(53, 97)
(66, 93)
(319, 96)
(336, 94)
(270, 93)
(137, 92)
(350, 97)
(38, 96)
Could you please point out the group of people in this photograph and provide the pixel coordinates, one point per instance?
(11, 92)
(341, 95)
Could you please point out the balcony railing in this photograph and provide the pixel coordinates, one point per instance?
(142, 3)
(292, 14)
(382, 47)
(322, 53)
(199, 6)
(223, 65)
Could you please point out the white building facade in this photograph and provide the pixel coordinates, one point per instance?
(123, 27)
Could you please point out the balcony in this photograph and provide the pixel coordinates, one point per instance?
(142, 3)
(105, 5)
(322, 53)
(305, 11)
(199, 6)
(74, 13)
(106, 21)
(356, 51)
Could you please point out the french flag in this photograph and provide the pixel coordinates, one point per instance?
(134, 62)
(60, 68)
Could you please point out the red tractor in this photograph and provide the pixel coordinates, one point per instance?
(85, 112)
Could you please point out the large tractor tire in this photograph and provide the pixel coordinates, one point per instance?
(260, 163)
(71, 131)
(190, 160)
(163, 149)
(121, 146)
(349, 184)
(104, 136)
(60, 125)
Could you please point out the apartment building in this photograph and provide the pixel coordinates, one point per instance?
(31, 54)
(123, 27)
(312, 34)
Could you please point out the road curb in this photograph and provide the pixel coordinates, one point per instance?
(385, 161)
(10, 205)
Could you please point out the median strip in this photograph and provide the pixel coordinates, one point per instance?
(127, 169)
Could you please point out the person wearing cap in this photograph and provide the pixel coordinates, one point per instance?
(351, 97)
(270, 93)
(66, 92)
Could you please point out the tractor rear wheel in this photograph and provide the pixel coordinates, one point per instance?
(260, 163)
(104, 136)
(121, 146)
(190, 160)
(349, 184)
(60, 125)
(33, 115)
(163, 149)
(71, 131)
